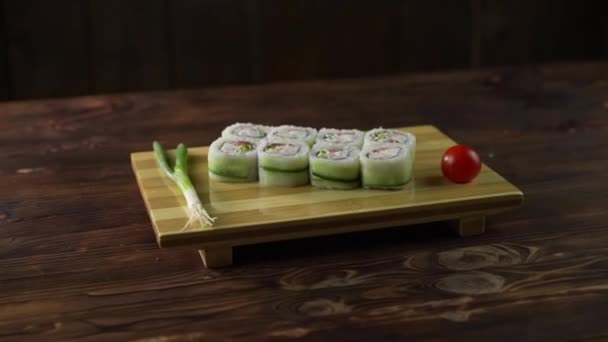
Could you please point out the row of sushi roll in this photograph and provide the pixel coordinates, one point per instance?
(290, 156)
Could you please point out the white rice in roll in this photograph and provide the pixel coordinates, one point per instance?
(335, 166)
(293, 133)
(383, 135)
(386, 165)
(246, 131)
(283, 163)
(341, 137)
(233, 160)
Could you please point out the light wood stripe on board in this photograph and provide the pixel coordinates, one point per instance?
(248, 206)
(236, 195)
(268, 209)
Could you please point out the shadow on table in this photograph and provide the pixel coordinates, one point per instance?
(347, 247)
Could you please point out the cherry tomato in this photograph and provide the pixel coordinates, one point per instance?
(460, 164)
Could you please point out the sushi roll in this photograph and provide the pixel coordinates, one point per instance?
(382, 135)
(340, 137)
(246, 130)
(293, 133)
(335, 166)
(233, 160)
(386, 165)
(283, 163)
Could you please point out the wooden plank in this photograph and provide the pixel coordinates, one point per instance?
(79, 260)
(210, 40)
(5, 82)
(249, 213)
(476, 33)
(524, 32)
(216, 257)
(435, 35)
(469, 226)
(47, 50)
(290, 39)
(358, 39)
(321, 39)
(129, 47)
(604, 30)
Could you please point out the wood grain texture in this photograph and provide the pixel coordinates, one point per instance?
(217, 257)
(79, 260)
(434, 35)
(75, 47)
(358, 40)
(470, 225)
(325, 39)
(321, 39)
(211, 42)
(290, 39)
(523, 32)
(47, 47)
(604, 30)
(5, 77)
(128, 44)
(249, 213)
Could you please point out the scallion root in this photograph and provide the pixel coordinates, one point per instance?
(197, 215)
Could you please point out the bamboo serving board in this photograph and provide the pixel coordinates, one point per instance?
(248, 213)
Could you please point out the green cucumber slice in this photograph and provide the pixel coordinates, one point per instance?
(270, 169)
(379, 186)
(333, 179)
(226, 174)
(333, 184)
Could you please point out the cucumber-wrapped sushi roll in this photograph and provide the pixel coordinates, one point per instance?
(233, 160)
(340, 137)
(283, 163)
(335, 166)
(382, 135)
(246, 131)
(293, 133)
(386, 165)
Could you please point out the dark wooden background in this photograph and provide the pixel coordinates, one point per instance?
(75, 47)
(79, 261)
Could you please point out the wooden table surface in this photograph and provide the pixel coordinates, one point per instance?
(78, 257)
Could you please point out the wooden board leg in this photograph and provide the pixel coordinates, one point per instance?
(469, 226)
(215, 257)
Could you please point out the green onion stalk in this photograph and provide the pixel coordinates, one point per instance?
(179, 174)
